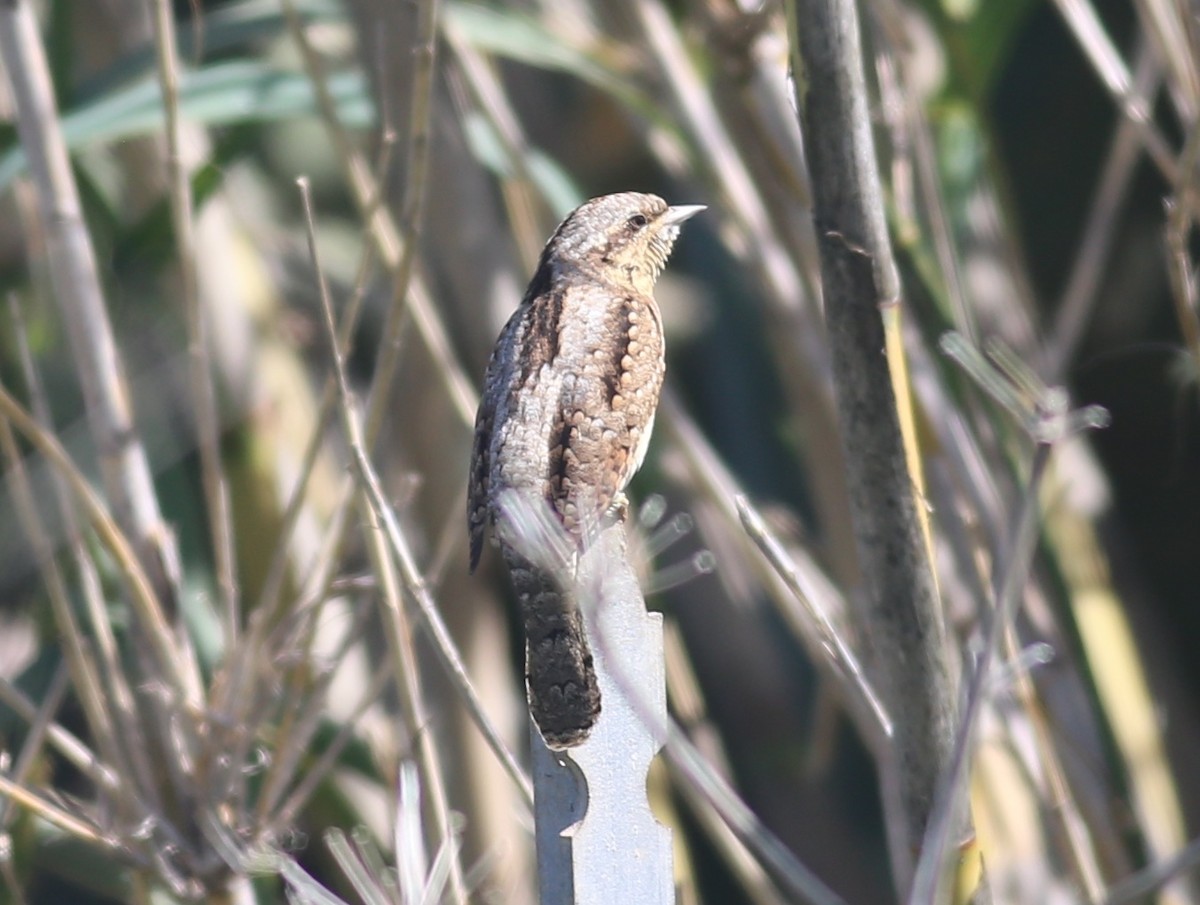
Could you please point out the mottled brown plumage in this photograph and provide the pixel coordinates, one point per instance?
(567, 409)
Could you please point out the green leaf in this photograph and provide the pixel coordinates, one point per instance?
(989, 37)
(977, 36)
(220, 94)
(60, 48)
(226, 29)
(519, 37)
(555, 184)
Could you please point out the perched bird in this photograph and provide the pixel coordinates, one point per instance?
(565, 420)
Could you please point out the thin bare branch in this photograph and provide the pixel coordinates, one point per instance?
(1089, 31)
(1154, 877)
(125, 748)
(843, 657)
(55, 815)
(780, 863)
(941, 840)
(1075, 307)
(1042, 412)
(170, 659)
(76, 282)
(398, 630)
(433, 623)
(65, 742)
(204, 403)
(387, 237)
(720, 486)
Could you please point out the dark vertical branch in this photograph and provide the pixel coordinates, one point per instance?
(858, 277)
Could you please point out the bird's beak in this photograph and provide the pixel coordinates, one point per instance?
(680, 212)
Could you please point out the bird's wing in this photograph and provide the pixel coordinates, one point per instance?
(477, 484)
(485, 418)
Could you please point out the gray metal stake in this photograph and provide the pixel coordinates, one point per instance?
(597, 841)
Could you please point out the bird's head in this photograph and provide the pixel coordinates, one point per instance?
(624, 238)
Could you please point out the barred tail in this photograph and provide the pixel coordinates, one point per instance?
(564, 698)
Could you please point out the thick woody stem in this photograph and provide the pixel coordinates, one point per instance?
(859, 277)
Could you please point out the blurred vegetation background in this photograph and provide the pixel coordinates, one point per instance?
(1039, 161)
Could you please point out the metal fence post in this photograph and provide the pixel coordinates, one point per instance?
(597, 841)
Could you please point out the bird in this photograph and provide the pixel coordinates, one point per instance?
(568, 405)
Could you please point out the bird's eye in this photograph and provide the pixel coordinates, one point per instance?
(637, 221)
